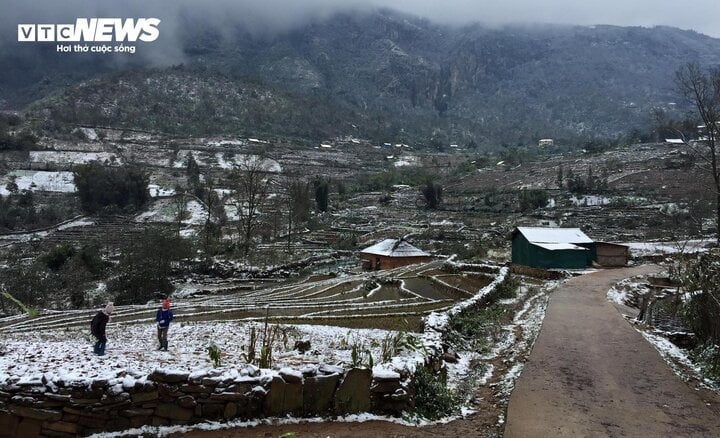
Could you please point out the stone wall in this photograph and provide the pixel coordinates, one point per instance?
(58, 409)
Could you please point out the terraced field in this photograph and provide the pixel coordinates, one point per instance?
(380, 299)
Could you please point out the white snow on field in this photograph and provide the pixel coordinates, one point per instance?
(76, 223)
(237, 160)
(164, 210)
(71, 157)
(642, 249)
(226, 143)
(590, 200)
(132, 348)
(159, 192)
(35, 180)
(407, 160)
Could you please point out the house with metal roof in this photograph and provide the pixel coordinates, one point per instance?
(391, 253)
(552, 248)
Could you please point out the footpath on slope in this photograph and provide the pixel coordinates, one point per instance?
(592, 374)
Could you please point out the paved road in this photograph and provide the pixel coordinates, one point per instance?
(591, 374)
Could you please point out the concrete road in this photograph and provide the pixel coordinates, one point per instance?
(592, 374)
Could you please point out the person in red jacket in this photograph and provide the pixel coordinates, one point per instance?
(163, 317)
(97, 328)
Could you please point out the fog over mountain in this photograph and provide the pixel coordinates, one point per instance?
(469, 73)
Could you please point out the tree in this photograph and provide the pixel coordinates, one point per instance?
(703, 90)
(146, 265)
(250, 185)
(322, 194)
(179, 206)
(432, 193)
(298, 204)
(216, 217)
(102, 188)
(560, 177)
(532, 199)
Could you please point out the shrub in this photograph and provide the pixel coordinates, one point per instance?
(433, 399)
(56, 257)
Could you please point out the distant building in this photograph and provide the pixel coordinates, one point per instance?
(611, 254)
(674, 141)
(392, 253)
(552, 248)
(546, 142)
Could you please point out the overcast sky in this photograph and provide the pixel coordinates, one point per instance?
(700, 15)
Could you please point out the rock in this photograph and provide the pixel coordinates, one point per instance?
(8, 423)
(330, 369)
(230, 411)
(173, 412)
(213, 411)
(28, 427)
(309, 370)
(291, 376)
(166, 376)
(302, 346)
(186, 401)
(353, 395)
(382, 375)
(194, 389)
(92, 422)
(140, 397)
(62, 426)
(283, 398)
(36, 414)
(318, 394)
(136, 412)
(168, 392)
(228, 396)
(117, 423)
(100, 383)
(400, 395)
(387, 387)
(451, 356)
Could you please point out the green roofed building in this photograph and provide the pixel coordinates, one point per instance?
(552, 248)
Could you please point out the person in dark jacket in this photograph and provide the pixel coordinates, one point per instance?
(97, 328)
(163, 317)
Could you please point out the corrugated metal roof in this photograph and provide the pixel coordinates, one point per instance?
(554, 235)
(559, 246)
(394, 248)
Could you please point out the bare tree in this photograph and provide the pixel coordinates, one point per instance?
(179, 205)
(216, 218)
(250, 185)
(703, 90)
(298, 204)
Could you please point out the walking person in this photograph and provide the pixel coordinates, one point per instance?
(97, 328)
(163, 317)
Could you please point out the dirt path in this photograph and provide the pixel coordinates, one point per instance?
(591, 374)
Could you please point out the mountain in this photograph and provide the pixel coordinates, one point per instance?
(383, 75)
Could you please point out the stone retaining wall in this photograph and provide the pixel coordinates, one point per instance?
(60, 409)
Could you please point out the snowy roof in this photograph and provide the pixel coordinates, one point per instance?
(394, 248)
(554, 235)
(559, 246)
(674, 141)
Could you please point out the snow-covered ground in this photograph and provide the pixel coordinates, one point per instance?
(163, 210)
(72, 157)
(132, 349)
(623, 293)
(37, 180)
(643, 249)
